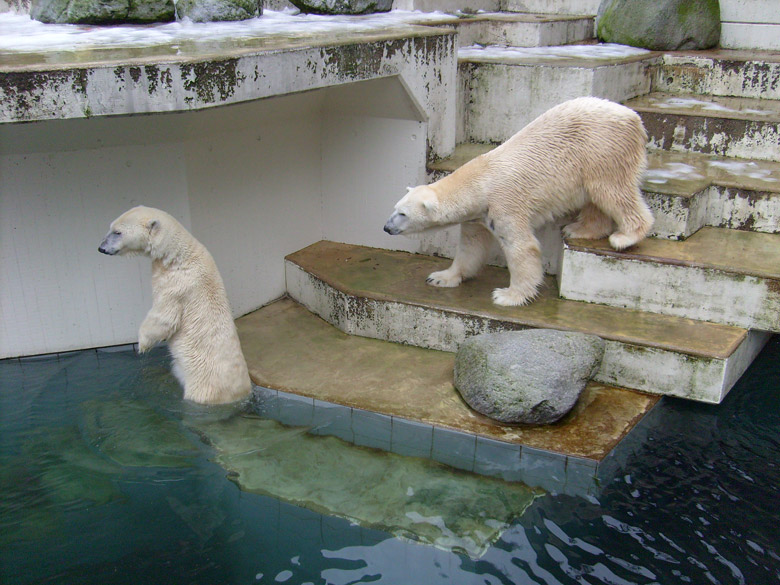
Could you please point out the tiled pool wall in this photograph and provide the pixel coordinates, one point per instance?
(548, 470)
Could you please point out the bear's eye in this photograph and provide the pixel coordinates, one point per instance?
(117, 233)
(402, 214)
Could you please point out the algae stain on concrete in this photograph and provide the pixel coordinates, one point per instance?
(213, 81)
(25, 90)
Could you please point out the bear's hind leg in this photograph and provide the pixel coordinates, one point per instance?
(524, 260)
(634, 223)
(591, 224)
(628, 209)
(473, 248)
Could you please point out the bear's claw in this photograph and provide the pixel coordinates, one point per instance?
(506, 297)
(443, 278)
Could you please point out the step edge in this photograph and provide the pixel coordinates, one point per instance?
(723, 354)
(576, 246)
(737, 115)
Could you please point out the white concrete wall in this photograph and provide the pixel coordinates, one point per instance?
(57, 292)
(253, 182)
(254, 192)
(750, 24)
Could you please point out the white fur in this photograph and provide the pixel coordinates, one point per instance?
(585, 155)
(189, 306)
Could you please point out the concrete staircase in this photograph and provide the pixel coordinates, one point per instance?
(684, 313)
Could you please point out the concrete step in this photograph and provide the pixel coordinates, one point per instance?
(589, 7)
(752, 74)
(401, 399)
(552, 7)
(504, 88)
(687, 191)
(382, 294)
(719, 275)
(725, 126)
(523, 30)
(501, 28)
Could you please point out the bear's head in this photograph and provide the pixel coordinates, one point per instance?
(137, 231)
(415, 212)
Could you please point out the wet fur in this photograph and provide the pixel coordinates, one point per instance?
(586, 155)
(189, 306)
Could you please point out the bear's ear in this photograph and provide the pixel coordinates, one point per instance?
(429, 200)
(409, 189)
(153, 225)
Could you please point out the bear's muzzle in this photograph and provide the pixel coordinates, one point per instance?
(394, 225)
(109, 245)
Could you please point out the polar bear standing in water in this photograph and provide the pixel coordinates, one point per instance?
(586, 154)
(189, 305)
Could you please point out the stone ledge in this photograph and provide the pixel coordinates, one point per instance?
(725, 126)
(718, 275)
(382, 294)
(720, 72)
(191, 76)
(400, 398)
(503, 89)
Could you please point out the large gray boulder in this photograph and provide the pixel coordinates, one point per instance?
(343, 6)
(102, 11)
(660, 25)
(533, 376)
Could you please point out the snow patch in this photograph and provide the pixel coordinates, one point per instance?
(672, 171)
(603, 51)
(743, 169)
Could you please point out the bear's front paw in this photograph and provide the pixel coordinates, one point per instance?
(145, 341)
(144, 344)
(444, 278)
(507, 297)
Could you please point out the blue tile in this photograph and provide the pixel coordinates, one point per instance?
(454, 448)
(332, 419)
(543, 469)
(371, 429)
(411, 438)
(265, 402)
(580, 476)
(498, 459)
(295, 410)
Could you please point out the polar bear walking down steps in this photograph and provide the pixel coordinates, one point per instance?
(189, 305)
(586, 155)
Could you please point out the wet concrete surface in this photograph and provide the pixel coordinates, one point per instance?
(287, 348)
(737, 252)
(400, 277)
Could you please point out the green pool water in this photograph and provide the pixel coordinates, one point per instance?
(107, 476)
